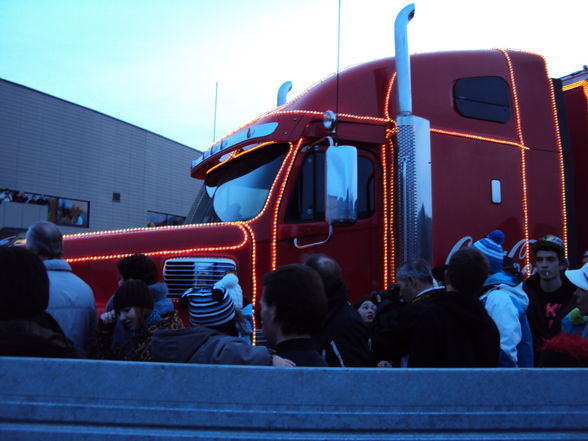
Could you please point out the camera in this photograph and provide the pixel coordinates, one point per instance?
(392, 295)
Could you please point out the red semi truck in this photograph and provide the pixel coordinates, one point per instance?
(497, 144)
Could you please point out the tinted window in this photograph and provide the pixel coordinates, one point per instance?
(486, 98)
(156, 219)
(307, 203)
(60, 211)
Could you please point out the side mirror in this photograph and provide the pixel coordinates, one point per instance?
(341, 184)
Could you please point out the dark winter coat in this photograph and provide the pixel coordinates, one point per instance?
(344, 340)
(536, 315)
(203, 345)
(38, 336)
(445, 329)
(137, 346)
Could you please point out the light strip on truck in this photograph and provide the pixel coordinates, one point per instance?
(345, 115)
(236, 154)
(560, 156)
(392, 196)
(272, 188)
(388, 95)
(136, 229)
(385, 210)
(523, 159)
(253, 273)
(581, 83)
(481, 138)
(167, 252)
(290, 161)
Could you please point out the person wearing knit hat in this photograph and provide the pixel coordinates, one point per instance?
(133, 303)
(550, 292)
(133, 306)
(243, 306)
(230, 283)
(212, 308)
(491, 247)
(506, 303)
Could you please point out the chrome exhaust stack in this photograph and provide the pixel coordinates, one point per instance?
(413, 160)
(283, 92)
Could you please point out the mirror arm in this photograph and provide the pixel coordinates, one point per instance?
(301, 247)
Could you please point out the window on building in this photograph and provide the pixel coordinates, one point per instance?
(307, 203)
(156, 219)
(485, 98)
(60, 211)
(70, 212)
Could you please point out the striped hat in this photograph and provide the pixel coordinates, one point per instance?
(210, 308)
(491, 248)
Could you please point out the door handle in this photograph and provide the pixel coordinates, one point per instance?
(301, 247)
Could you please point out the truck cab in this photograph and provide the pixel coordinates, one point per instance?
(497, 161)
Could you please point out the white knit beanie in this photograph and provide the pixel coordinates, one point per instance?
(230, 283)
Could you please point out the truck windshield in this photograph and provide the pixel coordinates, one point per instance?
(237, 191)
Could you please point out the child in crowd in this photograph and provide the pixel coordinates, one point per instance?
(133, 306)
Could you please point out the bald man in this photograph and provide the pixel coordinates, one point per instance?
(71, 301)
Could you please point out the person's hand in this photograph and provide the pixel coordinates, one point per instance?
(384, 364)
(278, 361)
(108, 318)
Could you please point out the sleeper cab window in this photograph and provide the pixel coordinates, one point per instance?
(484, 98)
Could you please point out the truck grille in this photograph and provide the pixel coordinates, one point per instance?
(185, 273)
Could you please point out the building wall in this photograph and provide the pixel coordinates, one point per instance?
(54, 147)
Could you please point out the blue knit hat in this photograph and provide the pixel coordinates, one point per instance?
(491, 248)
(210, 308)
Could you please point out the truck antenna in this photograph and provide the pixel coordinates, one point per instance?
(215, 109)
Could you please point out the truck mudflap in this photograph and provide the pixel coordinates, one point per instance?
(51, 399)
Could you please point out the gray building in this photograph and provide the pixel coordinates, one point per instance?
(85, 170)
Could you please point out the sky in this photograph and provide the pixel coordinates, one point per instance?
(155, 63)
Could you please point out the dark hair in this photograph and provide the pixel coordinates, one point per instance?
(138, 266)
(132, 293)
(24, 285)
(439, 273)
(328, 269)
(468, 270)
(420, 269)
(298, 295)
(45, 240)
(549, 247)
(357, 303)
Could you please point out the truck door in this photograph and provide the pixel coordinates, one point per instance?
(303, 230)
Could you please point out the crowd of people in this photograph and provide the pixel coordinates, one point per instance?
(474, 312)
(18, 196)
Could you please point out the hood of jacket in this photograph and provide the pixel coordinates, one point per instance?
(161, 303)
(516, 293)
(500, 277)
(179, 345)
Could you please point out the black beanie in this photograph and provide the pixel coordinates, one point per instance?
(132, 293)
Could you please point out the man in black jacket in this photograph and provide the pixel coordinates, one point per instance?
(344, 339)
(447, 328)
